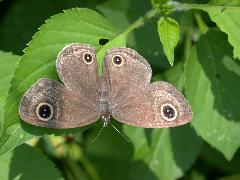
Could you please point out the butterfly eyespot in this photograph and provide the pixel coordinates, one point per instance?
(44, 111)
(117, 60)
(87, 57)
(168, 112)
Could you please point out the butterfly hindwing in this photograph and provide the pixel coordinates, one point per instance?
(136, 101)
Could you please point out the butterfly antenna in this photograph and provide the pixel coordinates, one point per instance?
(120, 132)
(94, 139)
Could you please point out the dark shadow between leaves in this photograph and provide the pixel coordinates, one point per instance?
(214, 158)
(112, 156)
(214, 55)
(140, 170)
(103, 41)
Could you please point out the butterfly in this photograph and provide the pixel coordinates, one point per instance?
(123, 91)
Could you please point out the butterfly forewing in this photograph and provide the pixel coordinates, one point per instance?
(126, 72)
(77, 68)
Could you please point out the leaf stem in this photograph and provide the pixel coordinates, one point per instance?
(142, 20)
(188, 42)
(182, 6)
(201, 24)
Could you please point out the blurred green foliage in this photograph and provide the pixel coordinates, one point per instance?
(204, 69)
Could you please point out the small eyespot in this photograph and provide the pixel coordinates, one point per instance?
(44, 111)
(117, 60)
(87, 57)
(168, 112)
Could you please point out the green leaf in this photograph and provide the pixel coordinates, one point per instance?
(175, 75)
(229, 22)
(212, 87)
(26, 163)
(167, 152)
(169, 34)
(156, 3)
(226, 15)
(75, 25)
(8, 63)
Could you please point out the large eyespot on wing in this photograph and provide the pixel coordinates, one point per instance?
(171, 108)
(125, 71)
(49, 103)
(77, 68)
(158, 106)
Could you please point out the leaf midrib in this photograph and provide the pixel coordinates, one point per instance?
(204, 6)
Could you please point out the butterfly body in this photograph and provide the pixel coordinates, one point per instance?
(104, 110)
(123, 91)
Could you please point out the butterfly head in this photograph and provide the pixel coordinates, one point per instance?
(106, 119)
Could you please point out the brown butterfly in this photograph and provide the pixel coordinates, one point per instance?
(123, 91)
